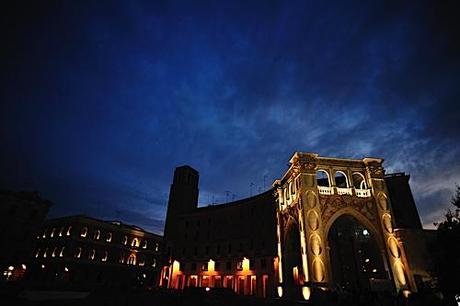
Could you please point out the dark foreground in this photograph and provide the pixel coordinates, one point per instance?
(15, 295)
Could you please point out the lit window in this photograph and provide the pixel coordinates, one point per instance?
(135, 243)
(61, 253)
(92, 254)
(106, 254)
(68, 230)
(52, 232)
(141, 262)
(45, 253)
(44, 234)
(154, 264)
(97, 234)
(125, 240)
(109, 237)
(37, 253)
(145, 244)
(78, 253)
(131, 260)
(54, 252)
(84, 232)
(157, 246)
(60, 232)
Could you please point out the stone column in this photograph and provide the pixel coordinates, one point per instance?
(375, 176)
(313, 233)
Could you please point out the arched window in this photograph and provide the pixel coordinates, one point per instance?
(68, 230)
(154, 264)
(97, 234)
(92, 254)
(322, 178)
(122, 258)
(135, 243)
(141, 261)
(84, 232)
(109, 237)
(145, 244)
(131, 260)
(60, 232)
(359, 182)
(104, 258)
(52, 232)
(54, 252)
(125, 240)
(78, 252)
(341, 180)
(61, 253)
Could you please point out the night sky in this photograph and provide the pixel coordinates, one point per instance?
(100, 101)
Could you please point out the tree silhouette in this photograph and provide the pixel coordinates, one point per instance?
(447, 250)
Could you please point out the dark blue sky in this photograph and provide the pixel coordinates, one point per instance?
(101, 100)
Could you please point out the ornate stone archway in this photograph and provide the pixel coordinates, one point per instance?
(315, 208)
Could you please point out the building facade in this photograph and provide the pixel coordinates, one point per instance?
(84, 252)
(22, 214)
(327, 223)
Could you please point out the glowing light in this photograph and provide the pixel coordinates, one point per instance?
(367, 260)
(406, 293)
(211, 265)
(374, 270)
(84, 232)
(43, 266)
(280, 291)
(365, 232)
(144, 275)
(208, 289)
(306, 292)
(66, 269)
(10, 268)
(24, 267)
(245, 264)
(106, 254)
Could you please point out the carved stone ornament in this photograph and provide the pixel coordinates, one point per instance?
(331, 204)
(376, 171)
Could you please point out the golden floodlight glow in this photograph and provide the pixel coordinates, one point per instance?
(176, 266)
(280, 291)
(306, 292)
(212, 264)
(245, 264)
(406, 293)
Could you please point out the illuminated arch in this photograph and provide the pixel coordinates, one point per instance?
(361, 218)
(135, 242)
(359, 181)
(131, 259)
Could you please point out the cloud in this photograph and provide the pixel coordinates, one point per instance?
(99, 107)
